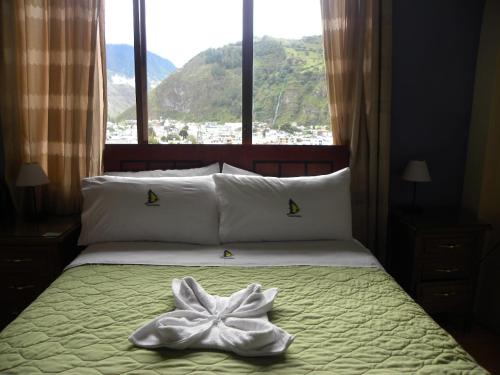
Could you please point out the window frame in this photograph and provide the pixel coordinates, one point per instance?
(140, 66)
(141, 81)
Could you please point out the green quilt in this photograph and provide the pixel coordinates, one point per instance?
(346, 321)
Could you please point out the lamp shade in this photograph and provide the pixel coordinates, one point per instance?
(31, 174)
(416, 171)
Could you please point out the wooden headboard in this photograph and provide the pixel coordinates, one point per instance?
(268, 160)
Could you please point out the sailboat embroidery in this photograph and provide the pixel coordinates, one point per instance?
(294, 209)
(152, 199)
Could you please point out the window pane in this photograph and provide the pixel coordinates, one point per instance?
(194, 70)
(289, 91)
(122, 118)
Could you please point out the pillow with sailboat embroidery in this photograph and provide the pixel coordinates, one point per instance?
(170, 209)
(229, 169)
(191, 172)
(254, 208)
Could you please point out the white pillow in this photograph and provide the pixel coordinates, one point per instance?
(203, 171)
(172, 209)
(229, 169)
(256, 208)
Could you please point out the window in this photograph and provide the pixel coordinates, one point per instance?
(200, 101)
(289, 90)
(216, 72)
(122, 120)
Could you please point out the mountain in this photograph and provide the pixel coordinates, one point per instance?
(120, 97)
(289, 85)
(121, 73)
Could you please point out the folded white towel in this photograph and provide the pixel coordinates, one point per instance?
(238, 323)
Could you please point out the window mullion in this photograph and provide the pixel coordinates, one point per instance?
(247, 72)
(140, 70)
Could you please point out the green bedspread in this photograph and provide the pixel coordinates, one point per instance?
(346, 321)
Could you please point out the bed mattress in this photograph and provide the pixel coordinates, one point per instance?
(246, 254)
(346, 319)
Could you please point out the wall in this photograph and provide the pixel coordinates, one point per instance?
(482, 176)
(434, 54)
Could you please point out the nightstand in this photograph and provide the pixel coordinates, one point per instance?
(32, 255)
(435, 257)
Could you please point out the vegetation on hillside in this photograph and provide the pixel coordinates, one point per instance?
(289, 85)
(120, 62)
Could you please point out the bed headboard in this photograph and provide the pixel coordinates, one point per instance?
(268, 160)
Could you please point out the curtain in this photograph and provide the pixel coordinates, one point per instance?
(356, 37)
(52, 80)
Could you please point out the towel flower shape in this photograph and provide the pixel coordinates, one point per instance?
(238, 323)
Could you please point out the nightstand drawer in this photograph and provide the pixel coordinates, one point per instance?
(16, 260)
(445, 297)
(452, 246)
(451, 268)
(20, 288)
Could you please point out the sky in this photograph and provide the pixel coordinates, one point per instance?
(180, 29)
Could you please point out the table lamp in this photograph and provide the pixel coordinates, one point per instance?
(416, 171)
(30, 176)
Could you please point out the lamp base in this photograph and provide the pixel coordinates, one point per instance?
(414, 210)
(31, 209)
(8, 212)
(32, 218)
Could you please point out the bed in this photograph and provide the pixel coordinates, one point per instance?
(347, 314)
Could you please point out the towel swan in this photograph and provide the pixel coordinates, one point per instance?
(237, 323)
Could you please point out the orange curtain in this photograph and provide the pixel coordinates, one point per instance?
(357, 62)
(52, 80)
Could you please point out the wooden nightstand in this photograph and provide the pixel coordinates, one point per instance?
(32, 255)
(435, 257)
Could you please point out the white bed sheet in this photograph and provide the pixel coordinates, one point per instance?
(350, 253)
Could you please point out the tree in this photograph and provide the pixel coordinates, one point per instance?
(173, 137)
(152, 136)
(192, 139)
(184, 132)
(289, 128)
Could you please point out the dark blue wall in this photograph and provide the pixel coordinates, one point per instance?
(2, 160)
(434, 55)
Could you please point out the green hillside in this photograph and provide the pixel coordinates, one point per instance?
(121, 76)
(120, 97)
(289, 85)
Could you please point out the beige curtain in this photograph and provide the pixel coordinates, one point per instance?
(53, 105)
(356, 35)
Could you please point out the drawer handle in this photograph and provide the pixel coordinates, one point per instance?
(450, 246)
(22, 287)
(17, 260)
(445, 294)
(447, 270)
